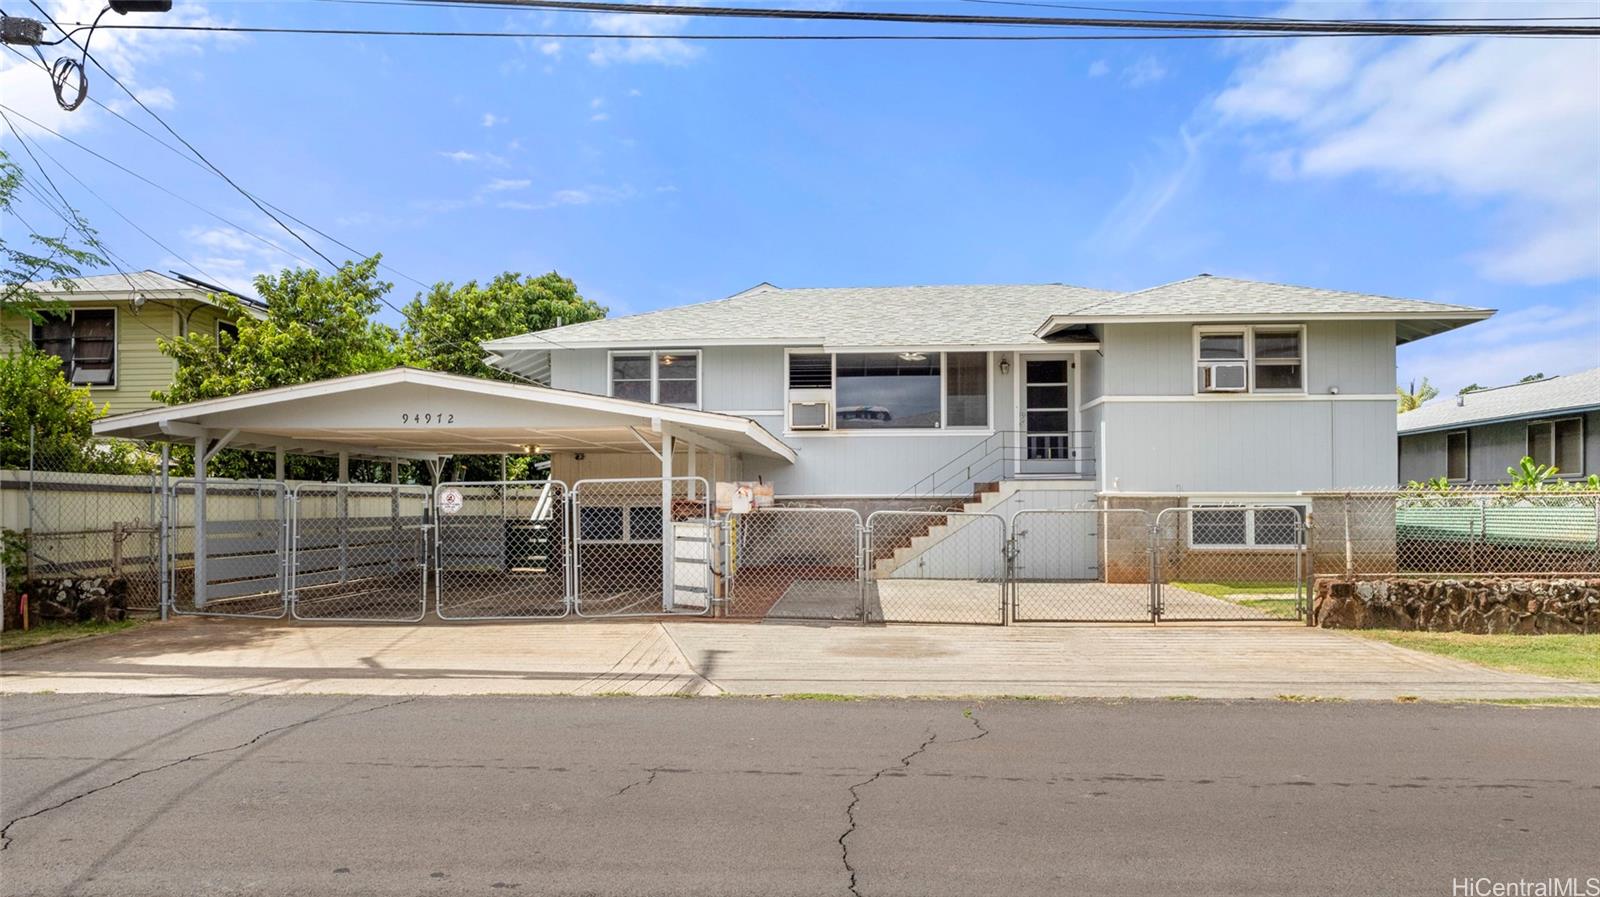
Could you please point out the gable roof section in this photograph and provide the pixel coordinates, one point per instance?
(1224, 299)
(121, 287)
(1566, 394)
(844, 317)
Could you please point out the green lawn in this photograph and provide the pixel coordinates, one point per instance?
(1254, 595)
(46, 633)
(1562, 656)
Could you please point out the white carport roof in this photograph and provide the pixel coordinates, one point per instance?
(411, 413)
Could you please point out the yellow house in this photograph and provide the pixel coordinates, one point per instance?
(107, 339)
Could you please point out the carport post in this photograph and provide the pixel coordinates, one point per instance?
(200, 460)
(343, 505)
(277, 463)
(162, 545)
(666, 517)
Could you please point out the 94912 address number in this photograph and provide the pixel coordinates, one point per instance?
(428, 417)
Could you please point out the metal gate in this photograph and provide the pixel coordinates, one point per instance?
(501, 551)
(795, 564)
(236, 565)
(1082, 565)
(1230, 562)
(936, 567)
(360, 552)
(642, 546)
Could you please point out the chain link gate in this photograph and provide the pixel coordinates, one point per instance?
(936, 567)
(1230, 562)
(642, 546)
(501, 551)
(360, 552)
(1082, 565)
(792, 563)
(238, 566)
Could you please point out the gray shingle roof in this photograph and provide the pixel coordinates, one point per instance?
(853, 316)
(1207, 294)
(1567, 393)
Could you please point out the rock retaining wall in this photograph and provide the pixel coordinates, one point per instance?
(1519, 605)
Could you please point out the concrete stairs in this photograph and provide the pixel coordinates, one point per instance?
(987, 498)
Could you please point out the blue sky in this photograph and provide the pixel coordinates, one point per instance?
(662, 172)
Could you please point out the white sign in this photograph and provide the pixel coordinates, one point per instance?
(450, 501)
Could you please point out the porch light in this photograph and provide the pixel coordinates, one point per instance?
(1005, 365)
(913, 356)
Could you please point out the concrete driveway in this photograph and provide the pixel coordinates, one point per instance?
(191, 656)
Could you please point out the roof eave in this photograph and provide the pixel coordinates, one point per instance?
(1425, 323)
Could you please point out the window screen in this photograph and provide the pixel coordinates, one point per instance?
(1277, 359)
(1218, 526)
(1456, 450)
(1569, 445)
(967, 389)
(630, 377)
(678, 378)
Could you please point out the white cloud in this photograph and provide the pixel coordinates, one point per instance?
(459, 156)
(490, 120)
(1099, 68)
(1515, 122)
(1148, 70)
(1506, 348)
(577, 196)
(654, 43)
(550, 48)
(597, 102)
(500, 185)
(234, 258)
(635, 92)
(599, 116)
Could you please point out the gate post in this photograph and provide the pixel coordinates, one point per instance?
(863, 563)
(164, 567)
(1008, 585)
(289, 507)
(1155, 570)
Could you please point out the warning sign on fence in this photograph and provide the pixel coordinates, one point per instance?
(450, 501)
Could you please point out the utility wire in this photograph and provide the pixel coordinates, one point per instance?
(201, 156)
(1290, 26)
(579, 35)
(1220, 15)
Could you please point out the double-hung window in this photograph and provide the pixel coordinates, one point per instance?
(85, 340)
(1558, 443)
(1250, 359)
(663, 377)
(1222, 525)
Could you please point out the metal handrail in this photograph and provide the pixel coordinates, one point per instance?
(961, 468)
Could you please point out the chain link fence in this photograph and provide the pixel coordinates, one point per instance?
(360, 552)
(501, 551)
(1457, 531)
(936, 567)
(237, 564)
(1082, 565)
(81, 527)
(1230, 562)
(792, 563)
(629, 561)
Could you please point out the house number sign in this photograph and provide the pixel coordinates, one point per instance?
(428, 417)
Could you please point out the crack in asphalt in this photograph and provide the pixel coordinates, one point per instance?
(5, 831)
(649, 779)
(903, 764)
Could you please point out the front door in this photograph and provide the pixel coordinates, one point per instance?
(1048, 440)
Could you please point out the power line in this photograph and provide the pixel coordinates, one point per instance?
(1290, 26)
(1219, 15)
(201, 156)
(577, 35)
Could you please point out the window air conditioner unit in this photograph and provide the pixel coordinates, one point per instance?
(1229, 377)
(809, 416)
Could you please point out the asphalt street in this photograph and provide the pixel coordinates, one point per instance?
(331, 795)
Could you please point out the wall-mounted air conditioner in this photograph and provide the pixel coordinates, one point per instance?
(1234, 377)
(810, 416)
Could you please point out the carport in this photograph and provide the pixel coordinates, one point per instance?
(426, 416)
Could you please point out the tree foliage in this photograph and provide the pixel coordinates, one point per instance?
(1414, 398)
(39, 258)
(316, 326)
(444, 327)
(37, 403)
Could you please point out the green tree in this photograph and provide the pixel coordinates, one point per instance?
(1532, 377)
(37, 403)
(316, 326)
(1414, 398)
(39, 258)
(1470, 387)
(444, 328)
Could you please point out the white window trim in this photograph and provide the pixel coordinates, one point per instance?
(833, 431)
(1249, 331)
(116, 346)
(1527, 443)
(655, 373)
(627, 527)
(1249, 506)
(1467, 435)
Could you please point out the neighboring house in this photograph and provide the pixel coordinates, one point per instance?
(107, 338)
(1207, 390)
(1474, 437)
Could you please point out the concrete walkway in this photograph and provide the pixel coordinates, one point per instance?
(699, 658)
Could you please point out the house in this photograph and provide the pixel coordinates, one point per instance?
(1209, 389)
(1475, 436)
(107, 338)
